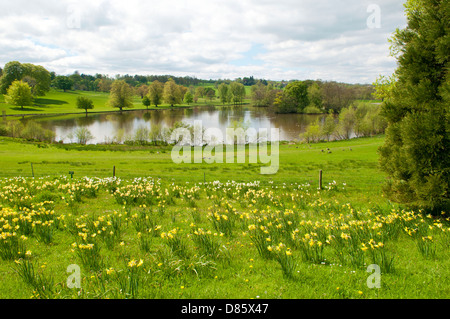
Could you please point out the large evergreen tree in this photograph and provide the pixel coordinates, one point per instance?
(416, 153)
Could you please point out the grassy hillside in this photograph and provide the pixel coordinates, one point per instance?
(59, 102)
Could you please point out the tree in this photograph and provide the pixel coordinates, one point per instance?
(142, 90)
(223, 92)
(262, 94)
(183, 91)
(298, 90)
(13, 71)
(315, 96)
(172, 93)
(237, 91)
(285, 103)
(63, 82)
(83, 135)
(336, 96)
(155, 93)
(416, 152)
(85, 103)
(210, 94)
(19, 94)
(200, 92)
(146, 101)
(121, 95)
(39, 77)
(104, 85)
(312, 133)
(188, 97)
(347, 120)
(383, 87)
(329, 126)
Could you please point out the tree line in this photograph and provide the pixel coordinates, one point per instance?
(357, 120)
(310, 96)
(20, 83)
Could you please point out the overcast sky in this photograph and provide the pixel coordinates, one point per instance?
(207, 39)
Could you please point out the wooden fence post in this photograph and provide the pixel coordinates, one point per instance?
(320, 179)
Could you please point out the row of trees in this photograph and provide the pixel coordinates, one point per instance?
(29, 130)
(103, 83)
(357, 120)
(310, 96)
(296, 97)
(36, 76)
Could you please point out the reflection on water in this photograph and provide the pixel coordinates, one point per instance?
(105, 127)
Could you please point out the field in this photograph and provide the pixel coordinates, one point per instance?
(161, 230)
(59, 102)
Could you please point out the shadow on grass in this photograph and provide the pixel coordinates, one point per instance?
(45, 102)
(27, 109)
(40, 105)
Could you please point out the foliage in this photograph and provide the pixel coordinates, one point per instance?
(237, 92)
(63, 82)
(263, 95)
(85, 103)
(172, 94)
(83, 135)
(298, 92)
(358, 120)
(188, 97)
(336, 96)
(146, 101)
(315, 96)
(223, 93)
(19, 94)
(416, 153)
(285, 103)
(36, 76)
(121, 95)
(155, 93)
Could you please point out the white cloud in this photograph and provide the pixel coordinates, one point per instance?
(289, 38)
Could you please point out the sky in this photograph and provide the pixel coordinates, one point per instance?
(333, 40)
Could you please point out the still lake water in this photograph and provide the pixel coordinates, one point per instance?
(105, 127)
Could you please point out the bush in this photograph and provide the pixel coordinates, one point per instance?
(312, 134)
(34, 131)
(312, 110)
(3, 131)
(83, 135)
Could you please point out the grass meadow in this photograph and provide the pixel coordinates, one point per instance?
(58, 102)
(210, 231)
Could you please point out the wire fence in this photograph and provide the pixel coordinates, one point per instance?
(363, 181)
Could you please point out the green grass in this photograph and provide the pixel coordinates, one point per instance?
(353, 162)
(180, 201)
(59, 102)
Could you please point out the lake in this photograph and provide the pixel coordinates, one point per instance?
(106, 126)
